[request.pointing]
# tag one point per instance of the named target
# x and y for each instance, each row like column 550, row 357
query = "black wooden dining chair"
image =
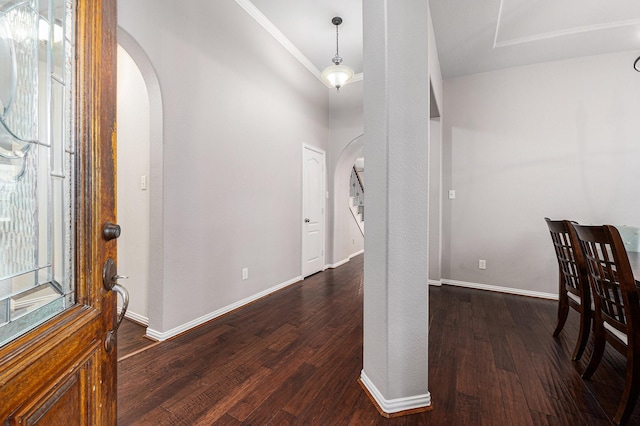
column 573, row 287
column 617, row 307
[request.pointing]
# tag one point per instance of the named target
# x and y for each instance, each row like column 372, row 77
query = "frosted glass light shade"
column 337, row 75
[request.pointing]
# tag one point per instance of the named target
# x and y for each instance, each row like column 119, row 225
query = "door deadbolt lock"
column 307, row 220
column 111, row 231
column 110, row 275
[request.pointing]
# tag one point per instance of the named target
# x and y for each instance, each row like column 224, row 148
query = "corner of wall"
column 435, row 72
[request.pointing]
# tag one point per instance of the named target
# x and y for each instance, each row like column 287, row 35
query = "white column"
column 396, row 123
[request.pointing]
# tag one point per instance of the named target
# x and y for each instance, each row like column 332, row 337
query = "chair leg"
column 598, row 350
column 563, row 313
column 583, row 336
column 631, row 390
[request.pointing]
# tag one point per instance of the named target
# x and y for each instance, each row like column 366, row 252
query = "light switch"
column 452, row 194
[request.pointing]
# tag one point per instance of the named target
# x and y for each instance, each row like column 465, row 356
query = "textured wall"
column 346, row 126
column 396, row 118
column 133, row 162
column 558, row 139
column 237, row 109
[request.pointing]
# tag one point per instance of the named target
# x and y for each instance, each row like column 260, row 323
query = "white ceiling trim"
column 566, row 32
column 284, row 41
column 275, row 33
column 495, row 36
column 558, row 33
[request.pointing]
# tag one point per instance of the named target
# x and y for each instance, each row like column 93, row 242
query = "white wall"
column 435, row 162
column 435, row 201
column 396, row 117
column 346, row 118
column 133, row 203
column 346, row 126
column 237, row 109
column 557, row 139
column 435, row 74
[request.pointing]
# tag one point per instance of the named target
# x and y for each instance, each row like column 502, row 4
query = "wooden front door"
column 61, row 372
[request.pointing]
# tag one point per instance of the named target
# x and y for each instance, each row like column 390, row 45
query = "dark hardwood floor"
column 294, row 358
column 131, row 339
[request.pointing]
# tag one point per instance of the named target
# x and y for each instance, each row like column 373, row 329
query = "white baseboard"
column 162, row 336
column 397, row 405
column 351, row 256
column 335, row 265
column 343, row 261
column 436, row 283
column 142, row 320
column 509, row 290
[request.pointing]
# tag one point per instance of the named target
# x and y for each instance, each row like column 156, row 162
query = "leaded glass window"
column 37, row 145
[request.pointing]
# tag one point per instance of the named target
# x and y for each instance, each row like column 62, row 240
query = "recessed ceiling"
column 522, row 21
column 486, row 35
column 472, row 35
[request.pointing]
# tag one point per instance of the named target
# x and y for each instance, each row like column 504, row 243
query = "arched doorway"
column 140, row 116
column 347, row 239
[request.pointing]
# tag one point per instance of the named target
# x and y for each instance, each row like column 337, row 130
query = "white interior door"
column 313, row 222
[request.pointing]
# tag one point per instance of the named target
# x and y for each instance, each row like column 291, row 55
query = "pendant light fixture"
column 337, row 75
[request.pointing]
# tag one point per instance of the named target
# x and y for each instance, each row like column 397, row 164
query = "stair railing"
column 357, row 190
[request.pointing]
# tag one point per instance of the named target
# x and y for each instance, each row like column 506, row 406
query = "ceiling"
column 307, row 25
column 472, row 35
column 484, row 35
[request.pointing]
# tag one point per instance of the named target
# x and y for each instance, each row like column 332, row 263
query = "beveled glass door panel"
column 36, row 163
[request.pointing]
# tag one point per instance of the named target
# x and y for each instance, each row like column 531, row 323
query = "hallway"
column 295, row 357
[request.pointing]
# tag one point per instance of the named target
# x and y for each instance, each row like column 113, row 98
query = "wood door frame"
column 323, row 222
column 47, row 348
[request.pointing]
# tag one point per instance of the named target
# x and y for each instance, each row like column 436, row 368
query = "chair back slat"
column 616, row 307
column 573, row 283
column 609, row 272
column 569, row 259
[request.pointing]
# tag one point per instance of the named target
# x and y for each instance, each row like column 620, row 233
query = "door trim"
column 323, row 222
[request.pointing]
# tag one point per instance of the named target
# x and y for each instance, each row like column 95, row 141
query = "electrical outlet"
column 245, row 273
column 482, row 264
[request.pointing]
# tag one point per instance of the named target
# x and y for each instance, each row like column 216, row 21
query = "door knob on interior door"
column 307, row 220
